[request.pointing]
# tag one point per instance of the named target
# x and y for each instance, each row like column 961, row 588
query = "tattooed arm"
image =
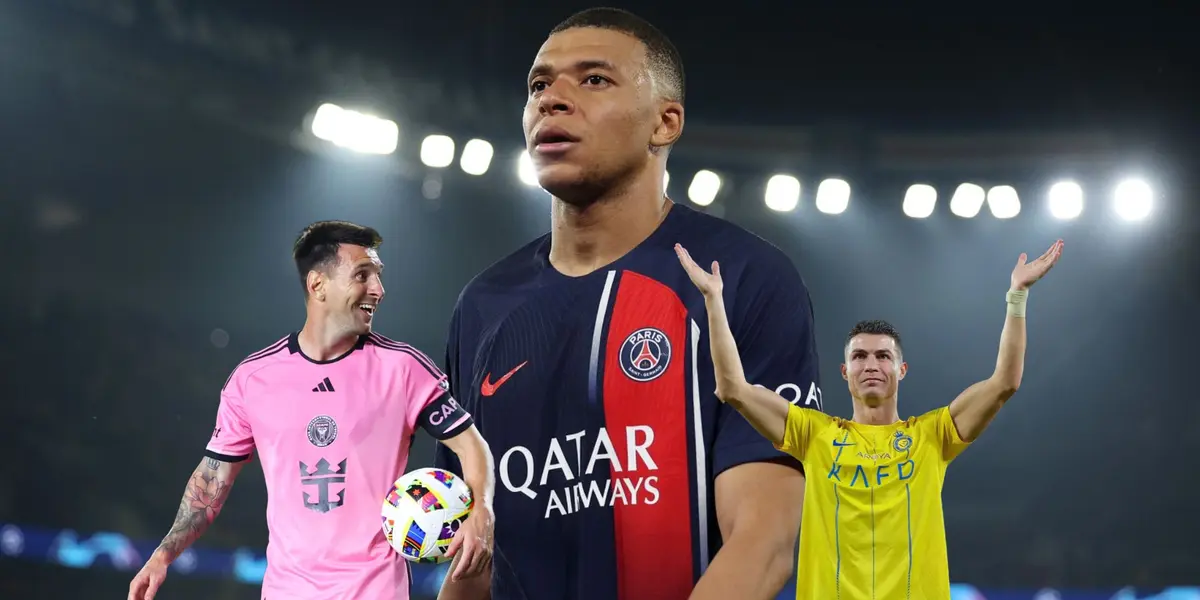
column 203, row 499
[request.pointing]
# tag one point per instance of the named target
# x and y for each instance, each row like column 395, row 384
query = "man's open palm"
column 1025, row 274
column 709, row 284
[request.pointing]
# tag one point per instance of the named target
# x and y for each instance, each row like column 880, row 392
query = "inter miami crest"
column 322, row 430
column 645, row 354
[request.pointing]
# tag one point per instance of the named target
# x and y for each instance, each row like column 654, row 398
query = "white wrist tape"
column 1016, row 302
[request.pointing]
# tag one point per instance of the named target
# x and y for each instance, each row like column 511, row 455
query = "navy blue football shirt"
column 596, row 395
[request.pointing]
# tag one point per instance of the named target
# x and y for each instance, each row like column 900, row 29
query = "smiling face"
column 340, row 271
column 348, row 292
column 873, row 367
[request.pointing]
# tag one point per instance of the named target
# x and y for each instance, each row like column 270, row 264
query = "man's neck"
column 319, row 341
column 583, row 240
column 881, row 413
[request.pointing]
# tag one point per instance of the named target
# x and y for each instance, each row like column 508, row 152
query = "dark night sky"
column 915, row 65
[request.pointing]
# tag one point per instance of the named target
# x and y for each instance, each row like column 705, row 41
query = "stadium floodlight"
column 476, row 157
column 1003, row 202
column 1066, row 200
column 356, row 131
column 833, row 196
column 783, row 193
column 525, row 170
column 704, row 187
column 666, row 179
column 967, row 200
column 1133, row 199
column 437, row 151
column 919, row 200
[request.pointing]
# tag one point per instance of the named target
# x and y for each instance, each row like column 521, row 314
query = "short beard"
column 580, row 195
column 351, row 326
column 593, row 187
column 873, row 399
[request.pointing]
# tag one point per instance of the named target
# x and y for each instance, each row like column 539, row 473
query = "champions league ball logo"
column 645, row 354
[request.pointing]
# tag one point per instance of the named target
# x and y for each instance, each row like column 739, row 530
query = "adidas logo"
column 324, row 386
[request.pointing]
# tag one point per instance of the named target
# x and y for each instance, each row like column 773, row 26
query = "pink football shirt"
column 332, row 437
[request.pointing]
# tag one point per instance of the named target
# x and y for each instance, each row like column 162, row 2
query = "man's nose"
column 555, row 100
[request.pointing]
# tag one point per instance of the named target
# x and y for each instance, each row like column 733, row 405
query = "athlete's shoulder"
column 388, row 350
column 814, row 426
column 819, row 419
column 931, row 416
column 519, row 268
column 271, row 355
column 727, row 239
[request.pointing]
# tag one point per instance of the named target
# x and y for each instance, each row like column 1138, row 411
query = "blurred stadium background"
column 158, row 157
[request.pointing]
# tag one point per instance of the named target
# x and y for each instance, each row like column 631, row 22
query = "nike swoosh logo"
column 488, row 388
column 840, row 444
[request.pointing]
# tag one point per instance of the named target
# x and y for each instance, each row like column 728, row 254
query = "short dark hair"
column 663, row 56
column 316, row 247
column 875, row 327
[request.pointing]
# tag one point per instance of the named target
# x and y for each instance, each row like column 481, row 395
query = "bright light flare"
column 1133, row 199
column 919, row 200
column 704, row 187
column 1003, row 202
column 967, row 200
column 783, row 193
column 476, row 157
column 437, row 151
column 355, row 131
column 1066, row 200
column 525, row 171
column 833, row 196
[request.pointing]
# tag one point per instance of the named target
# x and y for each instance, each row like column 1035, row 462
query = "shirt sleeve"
column 443, row 457
column 232, row 438
column 772, row 323
column 947, row 434
column 433, row 408
column 798, row 431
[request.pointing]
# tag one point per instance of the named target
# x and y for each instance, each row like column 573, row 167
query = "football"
column 423, row 511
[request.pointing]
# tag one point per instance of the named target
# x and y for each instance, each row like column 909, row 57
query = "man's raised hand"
column 709, row 284
column 1025, row 274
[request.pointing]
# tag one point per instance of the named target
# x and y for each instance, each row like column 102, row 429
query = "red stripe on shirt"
column 653, row 542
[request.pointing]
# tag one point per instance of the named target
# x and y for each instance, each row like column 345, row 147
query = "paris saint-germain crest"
column 322, row 430
column 645, row 354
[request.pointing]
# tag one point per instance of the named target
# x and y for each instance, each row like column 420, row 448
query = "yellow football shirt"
column 872, row 526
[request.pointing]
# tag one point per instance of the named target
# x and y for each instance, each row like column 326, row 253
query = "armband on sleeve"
column 444, row 418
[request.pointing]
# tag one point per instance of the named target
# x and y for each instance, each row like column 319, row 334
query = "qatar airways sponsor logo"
column 810, row 398
column 584, row 470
